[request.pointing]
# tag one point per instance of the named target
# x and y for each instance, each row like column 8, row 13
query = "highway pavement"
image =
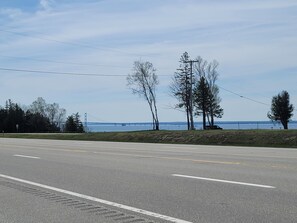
column 82, row 181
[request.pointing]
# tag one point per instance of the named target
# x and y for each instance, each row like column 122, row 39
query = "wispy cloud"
column 12, row 13
column 250, row 39
column 46, row 4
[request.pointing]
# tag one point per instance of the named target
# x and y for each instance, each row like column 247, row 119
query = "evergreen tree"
column 35, row 122
column 281, row 109
column 206, row 95
column 202, row 99
column 73, row 124
column 181, row 88
column 14, row 119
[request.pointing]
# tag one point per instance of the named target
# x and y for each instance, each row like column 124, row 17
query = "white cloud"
column 12, row 13
column 249, row 39
column 46, row 4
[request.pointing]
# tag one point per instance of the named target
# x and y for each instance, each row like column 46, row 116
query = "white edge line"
column 30, row 157
column 224, row 181
column 137, row 210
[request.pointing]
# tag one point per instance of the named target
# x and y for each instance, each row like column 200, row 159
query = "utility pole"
column 86, row 122
column 187, row 107
column 192, row 127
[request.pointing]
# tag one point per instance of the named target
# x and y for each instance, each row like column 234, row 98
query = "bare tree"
column 53, row 112
column 38, row 106
column 143, row 81
column 215, row 109
column 207, row 72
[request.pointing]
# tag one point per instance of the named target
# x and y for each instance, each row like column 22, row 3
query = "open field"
column 263, row 138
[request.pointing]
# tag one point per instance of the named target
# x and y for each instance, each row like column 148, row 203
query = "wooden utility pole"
column 192, row 127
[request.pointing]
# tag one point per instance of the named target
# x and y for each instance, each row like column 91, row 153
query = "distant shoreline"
column 181, row 122
column 142, row 126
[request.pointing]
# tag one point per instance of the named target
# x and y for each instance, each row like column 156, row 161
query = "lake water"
column 123, row 127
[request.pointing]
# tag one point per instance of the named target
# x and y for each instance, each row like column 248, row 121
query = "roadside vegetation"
column 193, row 85
column 281, row 109
column 37, row 117
column 262, row 138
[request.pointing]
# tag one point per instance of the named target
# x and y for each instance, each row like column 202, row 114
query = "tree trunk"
column 188, row 118
column 204, row 107
column 157, row 126
column 208, row 119
column 285, row 124
column 212, row 120
column 192, row 127
column 153, row 115
column 204, row 118
column 156, row 114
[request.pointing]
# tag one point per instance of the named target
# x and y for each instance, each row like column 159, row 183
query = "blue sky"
column 254, row 42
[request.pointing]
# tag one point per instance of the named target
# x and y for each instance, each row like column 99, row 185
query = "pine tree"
column 73, row 124
column 181, row 88
column 202, row 99
column 281, row 109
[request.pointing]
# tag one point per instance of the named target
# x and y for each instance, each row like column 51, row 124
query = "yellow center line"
column 35, row 147
column 171, row 158
column 127, row 154
column 201, row 161
column 46, row 149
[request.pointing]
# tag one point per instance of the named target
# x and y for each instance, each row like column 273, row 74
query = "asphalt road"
column 74, row 181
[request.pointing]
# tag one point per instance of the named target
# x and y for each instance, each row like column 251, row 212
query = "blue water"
column 123, row 127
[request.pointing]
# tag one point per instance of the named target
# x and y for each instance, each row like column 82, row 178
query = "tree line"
column 196, row 91
column 37, row 117
column 193, row 85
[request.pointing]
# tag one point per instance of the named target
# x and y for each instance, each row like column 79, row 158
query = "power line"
column 65, row 73
column 191, row 94
column 61, row 62
column 70, row 43
column 70, row 63
column 112, row 75
column 247, row 98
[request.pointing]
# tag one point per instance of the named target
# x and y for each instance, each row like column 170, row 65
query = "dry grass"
column 263, row 138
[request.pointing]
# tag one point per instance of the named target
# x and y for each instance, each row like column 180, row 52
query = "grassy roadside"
column 262, row 138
